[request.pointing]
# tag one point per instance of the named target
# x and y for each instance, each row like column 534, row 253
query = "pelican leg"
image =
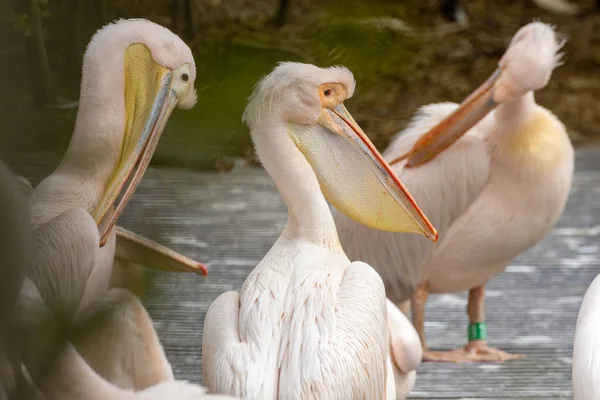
column 117, row 339
column 476, row 349
column 419, row 298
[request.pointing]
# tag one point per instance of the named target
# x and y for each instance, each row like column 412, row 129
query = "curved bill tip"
column 140, row 250
column 434, row 236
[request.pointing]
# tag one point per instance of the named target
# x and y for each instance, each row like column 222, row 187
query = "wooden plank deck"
column 230, row 220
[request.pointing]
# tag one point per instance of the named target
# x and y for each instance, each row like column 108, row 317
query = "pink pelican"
column 493, row 192
column 308, row 323
column 135, row 73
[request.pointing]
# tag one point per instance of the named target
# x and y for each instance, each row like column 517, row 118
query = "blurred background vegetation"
column 403, row 53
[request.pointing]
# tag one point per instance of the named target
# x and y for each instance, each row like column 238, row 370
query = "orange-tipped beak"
column 143, row 251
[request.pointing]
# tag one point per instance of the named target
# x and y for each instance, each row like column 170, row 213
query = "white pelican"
column 134, row 74
column 586, row 349
column 493, row 194
column 307, row 322
column 116, row 355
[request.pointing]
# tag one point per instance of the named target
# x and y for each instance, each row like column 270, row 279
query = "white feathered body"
column 303, row 332
column 493, row 194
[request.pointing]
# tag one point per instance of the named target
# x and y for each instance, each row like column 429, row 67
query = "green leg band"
column 477, row 331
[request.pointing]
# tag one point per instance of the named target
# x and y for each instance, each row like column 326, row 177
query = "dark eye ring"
column 185, row 77
column 327, row 92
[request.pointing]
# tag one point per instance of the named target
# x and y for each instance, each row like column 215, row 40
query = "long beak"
column 476, row 106
column 135, row 157
column 143, row 251
column 355, row 178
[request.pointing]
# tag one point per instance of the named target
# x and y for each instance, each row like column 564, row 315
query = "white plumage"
column 78, row 339
column 307, row 322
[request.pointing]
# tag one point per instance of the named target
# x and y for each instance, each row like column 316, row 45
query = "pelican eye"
column 185, row 77
column 327, row 92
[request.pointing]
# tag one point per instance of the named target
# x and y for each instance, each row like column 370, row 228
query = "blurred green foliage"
column 398, row 56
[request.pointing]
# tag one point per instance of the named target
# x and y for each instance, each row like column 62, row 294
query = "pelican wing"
column 225, row 359
column 444, row 188
column 65, row 252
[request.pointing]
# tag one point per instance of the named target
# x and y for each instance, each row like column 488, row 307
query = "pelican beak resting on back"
column 503, row 85
column 306, row 307
column 135, row 73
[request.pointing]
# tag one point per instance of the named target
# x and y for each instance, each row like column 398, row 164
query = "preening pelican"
column 586, row 349
column 116, row 352
column 135, row 73
column 493, row 192
column 307, row 322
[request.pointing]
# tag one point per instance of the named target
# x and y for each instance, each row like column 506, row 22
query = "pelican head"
column 526, row 66
column 528, row 63
column 307, row 103
column 136, row 72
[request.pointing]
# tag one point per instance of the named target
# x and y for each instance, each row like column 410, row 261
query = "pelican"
column 307, row 322
column 135, row 73
column 493, row 192
column 114, row 334
column 586, row 349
